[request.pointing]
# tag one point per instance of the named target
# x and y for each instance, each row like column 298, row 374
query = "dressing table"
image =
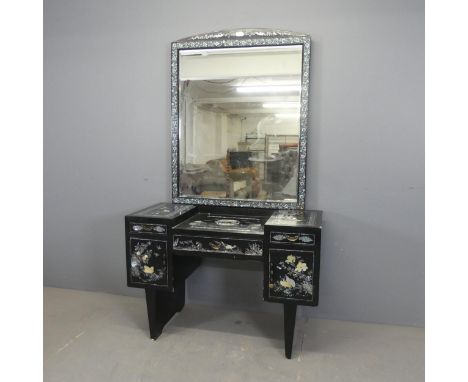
column 239, row 124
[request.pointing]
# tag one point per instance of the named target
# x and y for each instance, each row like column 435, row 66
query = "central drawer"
column 224, row 246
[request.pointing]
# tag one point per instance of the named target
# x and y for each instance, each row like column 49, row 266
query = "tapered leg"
column 162, row 305
column 179, row 295
column 289, row 324
column 154, row 315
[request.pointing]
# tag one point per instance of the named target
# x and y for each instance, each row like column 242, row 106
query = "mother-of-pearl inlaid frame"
column 241, row 38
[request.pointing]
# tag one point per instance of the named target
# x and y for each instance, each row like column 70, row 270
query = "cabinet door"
column 290, row 276
column 147, row 263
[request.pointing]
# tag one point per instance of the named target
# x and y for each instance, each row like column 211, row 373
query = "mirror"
column 239, row 114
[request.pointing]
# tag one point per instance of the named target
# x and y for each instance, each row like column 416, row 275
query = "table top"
column 296, row 218
column 164, row 210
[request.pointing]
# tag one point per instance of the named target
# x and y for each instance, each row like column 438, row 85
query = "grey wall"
column 107, row 147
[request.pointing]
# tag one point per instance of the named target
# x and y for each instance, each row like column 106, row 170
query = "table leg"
column 289, row 325
column 162, row 305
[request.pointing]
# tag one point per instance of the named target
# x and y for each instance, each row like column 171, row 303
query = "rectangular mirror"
column 239, row 121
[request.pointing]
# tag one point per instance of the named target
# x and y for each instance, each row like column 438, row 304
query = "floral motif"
column 301, row 267
column 291, row 259
column 254, row 249
column 291, row 277
column 143, row 261
column 288, row 282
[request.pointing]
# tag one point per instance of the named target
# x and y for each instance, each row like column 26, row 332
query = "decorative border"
column 243, row 33
column 241, row 38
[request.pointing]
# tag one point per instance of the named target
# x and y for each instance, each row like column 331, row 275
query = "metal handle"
column 292, row 237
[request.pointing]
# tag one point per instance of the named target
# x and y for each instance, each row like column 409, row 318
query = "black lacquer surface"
column 164, row 211
column 148, row 261
column 292, row 263
column 148, row 235
column 166, row 243
column 296, row 218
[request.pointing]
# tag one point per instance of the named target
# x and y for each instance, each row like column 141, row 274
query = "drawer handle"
column 215, row 245
column 292, row 238
column 137, row 228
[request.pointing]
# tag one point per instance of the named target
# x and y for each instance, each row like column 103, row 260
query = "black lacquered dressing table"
column 239, row 101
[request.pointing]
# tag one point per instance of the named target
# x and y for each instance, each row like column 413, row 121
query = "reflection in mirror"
column 239, row 111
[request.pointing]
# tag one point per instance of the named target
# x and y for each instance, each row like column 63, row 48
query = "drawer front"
column 228, row 246
column 148, row 262
column 290, row 275
column 295, row 238
column 148, row 228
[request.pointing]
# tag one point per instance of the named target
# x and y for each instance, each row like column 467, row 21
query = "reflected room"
column 239, row 111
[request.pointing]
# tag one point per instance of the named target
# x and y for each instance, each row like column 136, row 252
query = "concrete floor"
column 101, row 337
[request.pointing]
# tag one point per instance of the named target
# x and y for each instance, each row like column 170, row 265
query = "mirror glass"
column 239, row 122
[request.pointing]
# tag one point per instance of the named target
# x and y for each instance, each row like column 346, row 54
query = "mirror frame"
column 241, row 38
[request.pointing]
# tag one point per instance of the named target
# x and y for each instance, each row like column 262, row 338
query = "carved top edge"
column 243, row 33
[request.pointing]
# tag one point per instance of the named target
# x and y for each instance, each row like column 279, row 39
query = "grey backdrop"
column 107, row 144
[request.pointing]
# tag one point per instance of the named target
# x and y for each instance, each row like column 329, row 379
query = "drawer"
column 293, row 238
column 147, row 262
column 219, row 245
column 148, row 228
column 290, row 275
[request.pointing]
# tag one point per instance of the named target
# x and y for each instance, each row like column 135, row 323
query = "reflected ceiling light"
column 281, row 105
column 287, row 115
column 269, row 89
column 245, row 49
column 268, row 82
